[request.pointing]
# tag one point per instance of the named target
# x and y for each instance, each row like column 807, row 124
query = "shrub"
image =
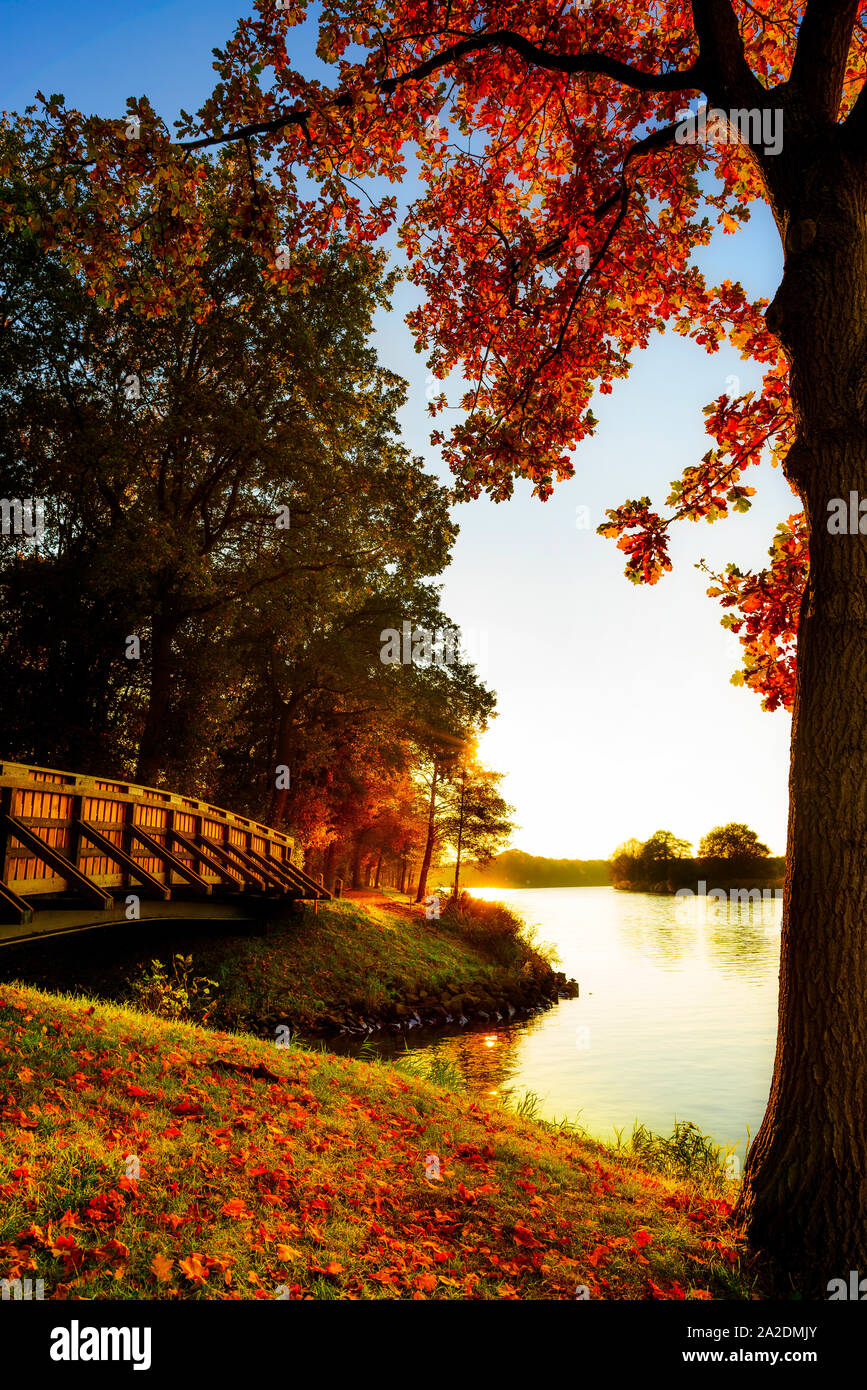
column 498, row 931
column 179, row 995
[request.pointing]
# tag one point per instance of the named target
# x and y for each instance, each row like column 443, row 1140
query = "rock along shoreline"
column 458, row 1005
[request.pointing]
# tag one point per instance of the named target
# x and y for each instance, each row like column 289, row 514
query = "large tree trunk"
column 357, row 857
column 431, row 836
column 152, row 750
column 328, row 865
column 804, row 1197
column 283, row 744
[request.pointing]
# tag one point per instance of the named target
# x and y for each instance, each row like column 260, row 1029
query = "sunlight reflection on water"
column 677, row 1014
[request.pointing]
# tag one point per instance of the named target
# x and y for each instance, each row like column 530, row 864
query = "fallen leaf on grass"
column 194, row 1269
column 161, row 1267
column 236, row 1208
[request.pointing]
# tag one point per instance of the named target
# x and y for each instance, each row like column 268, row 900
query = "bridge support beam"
column 234, row 879
column 170, row 860
column 55, row 860
column 113, row 851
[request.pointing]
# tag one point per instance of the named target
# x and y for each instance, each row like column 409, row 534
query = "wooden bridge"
column 81, row 852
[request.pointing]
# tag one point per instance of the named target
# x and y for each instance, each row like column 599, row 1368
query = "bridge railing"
column 65, row 836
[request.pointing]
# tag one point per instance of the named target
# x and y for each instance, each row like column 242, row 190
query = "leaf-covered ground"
column 267, row 1172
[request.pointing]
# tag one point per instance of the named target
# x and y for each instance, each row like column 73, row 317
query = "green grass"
column 355, row 959
column 265, row 1169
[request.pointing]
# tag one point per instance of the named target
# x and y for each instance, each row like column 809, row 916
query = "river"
column 676, row 1015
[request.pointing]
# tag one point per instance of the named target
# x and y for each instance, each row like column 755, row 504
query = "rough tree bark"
column 357, row 858
column 804, row 1196
column 328, row 865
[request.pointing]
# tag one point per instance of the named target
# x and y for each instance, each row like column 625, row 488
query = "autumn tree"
column 200, row 477
column 457, row 709
column 733, row 841
column 474, row 820
column 564, row 192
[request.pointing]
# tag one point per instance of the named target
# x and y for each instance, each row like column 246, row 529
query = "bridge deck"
column 79, row 852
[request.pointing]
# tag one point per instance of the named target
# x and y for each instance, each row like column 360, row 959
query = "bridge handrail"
column 14, row 774
column 65, row 833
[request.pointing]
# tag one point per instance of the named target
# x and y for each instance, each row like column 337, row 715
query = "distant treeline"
column 515, row 869
column 730, row 855
column 714, row 871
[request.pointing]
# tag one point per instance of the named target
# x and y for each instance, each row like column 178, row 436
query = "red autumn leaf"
column 525, row 1237
column 237, row 1209
column 161, row 1266
column 194, row 1269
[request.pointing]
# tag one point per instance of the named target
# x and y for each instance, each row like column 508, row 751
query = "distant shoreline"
column 514, row 869
column 675, row 875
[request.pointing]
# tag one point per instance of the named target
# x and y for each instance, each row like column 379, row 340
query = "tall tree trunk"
column 457, row 883
column 431, row 836
column 357, row 856
column 804, row 1196
column 283, row 745
column 152, row 748
column 378, row 870
column 328, row 865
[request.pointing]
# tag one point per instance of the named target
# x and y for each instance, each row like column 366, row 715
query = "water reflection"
column 676, row 1016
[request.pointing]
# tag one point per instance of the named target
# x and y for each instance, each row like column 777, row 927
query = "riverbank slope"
column 366, row 962
column 147, row 1159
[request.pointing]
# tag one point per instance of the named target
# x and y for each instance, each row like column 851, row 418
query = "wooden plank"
column 221, row 852
column 293, row 876
column 246, row 857
column 237, row 855
column 113, row 851
column 13, row 908
column 26, row 777
column 275, row 866
column 160, row 852
column 6, row 795
column 313, row 889
column 235, row 878
column 55, row 860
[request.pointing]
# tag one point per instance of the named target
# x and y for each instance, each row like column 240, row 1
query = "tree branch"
column 600, row 64
column 819, row 67
column 730, row 81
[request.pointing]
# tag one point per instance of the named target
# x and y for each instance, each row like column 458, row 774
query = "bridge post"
column 126, row 841
column 73, row 844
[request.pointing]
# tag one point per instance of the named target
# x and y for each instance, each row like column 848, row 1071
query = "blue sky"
column 616, row 712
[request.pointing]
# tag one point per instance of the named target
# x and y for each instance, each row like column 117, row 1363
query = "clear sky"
column 616, row 715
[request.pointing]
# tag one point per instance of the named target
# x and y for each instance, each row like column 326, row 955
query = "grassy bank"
column 147, row 1159
column 357, row 963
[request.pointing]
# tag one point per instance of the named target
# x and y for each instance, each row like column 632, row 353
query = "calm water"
column 677, row 1014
